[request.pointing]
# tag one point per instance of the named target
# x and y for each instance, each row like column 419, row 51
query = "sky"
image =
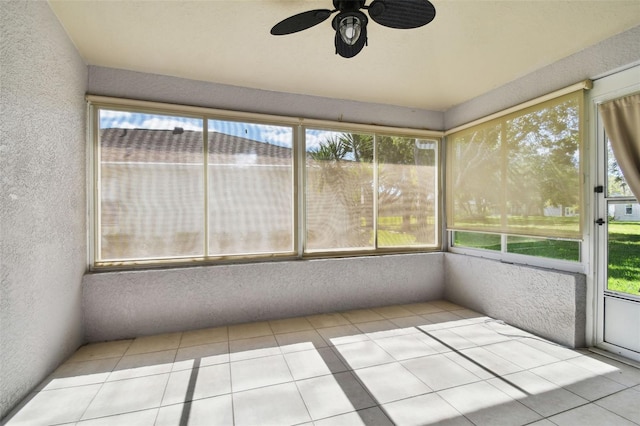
column 276, row 135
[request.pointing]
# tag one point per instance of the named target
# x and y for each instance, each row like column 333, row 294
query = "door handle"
column 600, row 222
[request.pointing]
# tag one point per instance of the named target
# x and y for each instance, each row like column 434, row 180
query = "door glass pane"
column 151, row 186
column 339, row 190
column 616, row 184
column 406, row 191
column 624, row 247
column 250, row 188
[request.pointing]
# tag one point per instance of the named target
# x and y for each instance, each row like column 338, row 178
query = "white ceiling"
column 470, row 48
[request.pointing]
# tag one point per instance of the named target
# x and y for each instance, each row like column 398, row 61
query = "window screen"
column 407, row 192
column 250, row 188
column 158, row 200
column 151, row 186
column 339, row 191
column 369, row 191
column 519, row 174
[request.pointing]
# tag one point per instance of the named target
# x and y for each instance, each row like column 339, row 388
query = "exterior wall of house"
column 621, row 212
column 550, row 304
column 43, row 207
column 137, row 303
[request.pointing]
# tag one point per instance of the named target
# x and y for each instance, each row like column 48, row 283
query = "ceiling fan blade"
column 301, row 21
column 402, row 14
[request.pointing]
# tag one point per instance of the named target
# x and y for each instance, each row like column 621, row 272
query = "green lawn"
column 477, row 240
column 624, row 257
column 554, row 249
column 530, row 246
column 392, row 239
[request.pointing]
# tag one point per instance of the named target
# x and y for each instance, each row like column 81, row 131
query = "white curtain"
column 621, row 119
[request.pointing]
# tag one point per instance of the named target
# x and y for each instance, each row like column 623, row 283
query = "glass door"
column 619, row 260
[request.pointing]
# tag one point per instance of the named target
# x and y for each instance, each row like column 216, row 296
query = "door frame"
column 606, row 88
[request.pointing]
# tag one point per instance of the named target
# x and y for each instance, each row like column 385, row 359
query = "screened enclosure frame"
column 297, row 195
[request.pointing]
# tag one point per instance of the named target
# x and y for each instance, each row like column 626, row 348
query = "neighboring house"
column 165, row 182
column 626, row 212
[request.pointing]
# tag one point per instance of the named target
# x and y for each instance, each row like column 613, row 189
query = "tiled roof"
column 163, row 146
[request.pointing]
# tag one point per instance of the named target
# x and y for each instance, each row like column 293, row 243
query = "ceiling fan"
column 350, row 23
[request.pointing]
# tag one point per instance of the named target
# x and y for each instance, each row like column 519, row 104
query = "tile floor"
column 418, row 364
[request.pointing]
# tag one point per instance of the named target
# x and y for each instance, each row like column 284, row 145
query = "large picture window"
column 173, row 187
column 192, row 187
column 520, row 176
column 151, row 186
column 370, row 191
column 250, row 188
column 339, row 191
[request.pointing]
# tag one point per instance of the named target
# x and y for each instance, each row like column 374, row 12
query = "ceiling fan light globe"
column 350, row 29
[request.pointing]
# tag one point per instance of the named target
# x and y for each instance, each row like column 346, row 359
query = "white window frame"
column 95, row 103
column 581, row 266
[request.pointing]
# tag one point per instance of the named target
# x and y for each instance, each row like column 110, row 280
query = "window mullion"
column 205, row 148
column 375, row 190
column 300, row 224
column 504, row 152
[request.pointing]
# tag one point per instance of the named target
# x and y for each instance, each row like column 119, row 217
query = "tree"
column 339, row 175
column 344, row 165
column 475, row 169
column 616, row 183
column 544, row 151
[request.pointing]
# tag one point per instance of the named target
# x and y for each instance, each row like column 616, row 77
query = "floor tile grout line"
column 103, row 382
column 433, row 392
column 478, row 364
column 90, row 402
column 180, row 341
column 603, row 376
column 542, row 415
column 233, row 408
column 585, row 404
column 349, row 370
column 202, row 344
column 295, row 383
column 79, row 422
column 521, row 368
column 349, row 412
column 148, row 353
column 595, row 401
column 572, row 392
column 512, row 340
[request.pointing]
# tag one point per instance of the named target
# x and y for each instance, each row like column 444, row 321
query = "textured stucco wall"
column 592, row 62
column 127, row 304
column 160, row 88
column 42, row 196
column 547, row 303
